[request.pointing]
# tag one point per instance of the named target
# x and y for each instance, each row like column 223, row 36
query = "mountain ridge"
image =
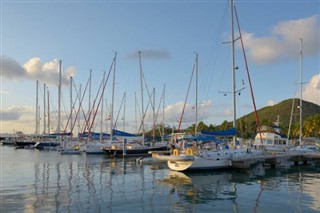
column 283, row 110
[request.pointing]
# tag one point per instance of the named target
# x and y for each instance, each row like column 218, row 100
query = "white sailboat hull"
column 70, row 150
column 201, row 163
column 95, row 148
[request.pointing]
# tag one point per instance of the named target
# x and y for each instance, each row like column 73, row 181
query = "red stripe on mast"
column 248, row 74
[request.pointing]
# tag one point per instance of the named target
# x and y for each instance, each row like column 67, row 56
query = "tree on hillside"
column 225, row 125
column 311, row 126
column 266, row 122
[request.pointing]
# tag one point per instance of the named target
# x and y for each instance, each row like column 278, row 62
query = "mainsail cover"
column 226, row 133
column 116, row 133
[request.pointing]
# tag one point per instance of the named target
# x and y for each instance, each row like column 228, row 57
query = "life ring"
column 176, row 152
column 189, row 151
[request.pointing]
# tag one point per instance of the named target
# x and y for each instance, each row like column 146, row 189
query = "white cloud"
column 283, row 43
column 33, row 66
column 11, row 69
column 14, row 113
column 34, row 69
column 271, row 103
column 44, row 72
column 17, row 118
column 173, row 112
column 311, row 90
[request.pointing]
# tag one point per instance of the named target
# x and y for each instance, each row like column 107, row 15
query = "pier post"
column 124, row 153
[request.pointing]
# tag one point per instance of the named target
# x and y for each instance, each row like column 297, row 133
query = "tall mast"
column 163, row 108
column 154, row 115
column 233, row 70
column 142, row 107
column 37, row 108
column 44, row 109
column 59, row 98
column 80, row 95
column 196, row 107
column 48, row 111
column 135, row 111
column 124, row 112
column 71, row 103
column 89, row 110
column 300, row 135
column 112, row 101
column 101, row 117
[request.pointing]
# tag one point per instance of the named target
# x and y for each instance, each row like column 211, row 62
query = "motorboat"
column 8, row 141
column 271, row 139
column 47, row 145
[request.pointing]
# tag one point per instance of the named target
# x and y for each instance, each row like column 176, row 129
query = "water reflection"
column 199, row 188
column 76, row 186
column 43, row 181
column 246, row 191
column 91, row 184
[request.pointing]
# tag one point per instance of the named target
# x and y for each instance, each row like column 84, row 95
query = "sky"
column 86, row 35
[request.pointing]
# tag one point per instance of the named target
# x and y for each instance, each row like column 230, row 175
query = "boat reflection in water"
column 257, row 190
column 198, row 188
column 93, row 185
column 45, row 181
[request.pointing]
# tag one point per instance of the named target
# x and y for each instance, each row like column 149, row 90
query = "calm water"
column 45, row 181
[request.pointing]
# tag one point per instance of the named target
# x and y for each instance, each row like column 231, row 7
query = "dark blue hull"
column 133, row 152
column 46, row 144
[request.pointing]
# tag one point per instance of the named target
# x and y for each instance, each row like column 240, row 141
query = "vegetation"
column 247, row 125
column 268, row 115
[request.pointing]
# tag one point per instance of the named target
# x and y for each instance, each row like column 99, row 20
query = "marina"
column 125, row 121
column 276, row 160
column 45, row 181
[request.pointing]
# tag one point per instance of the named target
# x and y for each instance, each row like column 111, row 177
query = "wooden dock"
column 275, row 160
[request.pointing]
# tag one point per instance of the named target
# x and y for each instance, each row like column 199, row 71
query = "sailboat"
column 95, row 146
column 301, row 147
column 207, row 153
column 130, row 144
column 68, row 146
column 271, row 139
column 201, row 155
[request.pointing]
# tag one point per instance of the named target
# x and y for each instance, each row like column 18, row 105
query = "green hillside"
column 269, row 114
column 247, row 126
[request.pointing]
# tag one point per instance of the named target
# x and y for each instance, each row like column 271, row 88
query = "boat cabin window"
column 269, row 142
column 280, row 142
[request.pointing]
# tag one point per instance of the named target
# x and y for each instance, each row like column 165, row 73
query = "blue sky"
column 85, row 35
